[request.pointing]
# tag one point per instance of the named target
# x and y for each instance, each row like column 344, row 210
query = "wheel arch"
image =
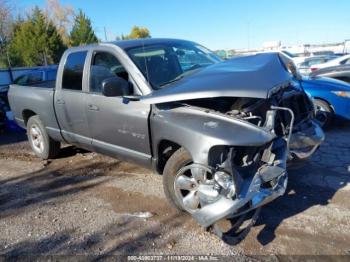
column 26, row 114
column 326, row 101
column 165, row 149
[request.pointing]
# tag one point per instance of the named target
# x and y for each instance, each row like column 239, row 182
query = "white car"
column 297, row 58
column 343, row 60
column 305, row 68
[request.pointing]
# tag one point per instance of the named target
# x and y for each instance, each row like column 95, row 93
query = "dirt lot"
column 86, row 203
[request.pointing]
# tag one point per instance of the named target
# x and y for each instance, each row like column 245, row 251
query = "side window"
column 316, row 62
column 73, row 71
column 21, row 80
column 51, row 75
column 345, row 61
column 105, row 65
column 35, row 77
column 304, row 64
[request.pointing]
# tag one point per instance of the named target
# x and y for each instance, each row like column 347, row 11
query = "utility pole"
column 105, row 33
column 248, row 33
column 9, row 66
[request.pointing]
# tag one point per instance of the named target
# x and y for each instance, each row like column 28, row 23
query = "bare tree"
column 5, row 20
column 61, row 16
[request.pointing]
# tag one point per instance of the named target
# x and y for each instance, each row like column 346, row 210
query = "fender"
column 199, row 130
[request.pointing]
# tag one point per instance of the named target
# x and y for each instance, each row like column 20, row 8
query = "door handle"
column 93, row 108
column 60, row 102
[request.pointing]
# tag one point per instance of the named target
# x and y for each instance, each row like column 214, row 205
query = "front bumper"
column 304, row 143
column 253, row 193
column 269, row 181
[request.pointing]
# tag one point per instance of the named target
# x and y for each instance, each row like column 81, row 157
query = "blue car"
column 331, row 98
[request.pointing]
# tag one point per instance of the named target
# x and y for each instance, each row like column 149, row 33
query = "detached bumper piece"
column 304, row 143
column 268, row 183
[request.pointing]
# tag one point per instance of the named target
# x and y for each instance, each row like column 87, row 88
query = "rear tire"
column 324, row 113
column 42, row 145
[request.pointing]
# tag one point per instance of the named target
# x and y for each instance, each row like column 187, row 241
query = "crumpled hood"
column 247, row 76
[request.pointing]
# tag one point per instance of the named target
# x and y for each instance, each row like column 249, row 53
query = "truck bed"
column 40, row 101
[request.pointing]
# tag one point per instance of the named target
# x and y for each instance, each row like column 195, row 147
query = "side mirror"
column 115, row 86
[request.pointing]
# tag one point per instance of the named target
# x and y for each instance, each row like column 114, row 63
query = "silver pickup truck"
column 220, row 132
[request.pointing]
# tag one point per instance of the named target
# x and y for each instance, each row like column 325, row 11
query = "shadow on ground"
column 111, row 240
column 45, row 185
column 48, row 185
column 11, row 138
column 298, row 198
column 57, row 180
column 314, row 184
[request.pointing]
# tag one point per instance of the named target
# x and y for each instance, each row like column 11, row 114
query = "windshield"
column 165, row 63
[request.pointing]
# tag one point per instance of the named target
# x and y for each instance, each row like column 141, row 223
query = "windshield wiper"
column 187, row 72
column 172, row 80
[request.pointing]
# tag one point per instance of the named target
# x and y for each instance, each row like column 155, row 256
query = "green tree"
column 136, row 32
column 82, row 32
column 35, row 41
column 139, row 32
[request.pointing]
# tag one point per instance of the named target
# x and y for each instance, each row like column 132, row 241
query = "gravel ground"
column 87, row 204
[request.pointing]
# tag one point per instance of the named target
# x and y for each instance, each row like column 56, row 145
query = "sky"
column 219, row 24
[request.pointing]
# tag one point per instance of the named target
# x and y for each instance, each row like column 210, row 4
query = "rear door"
column 118, row 128
column 70, row 100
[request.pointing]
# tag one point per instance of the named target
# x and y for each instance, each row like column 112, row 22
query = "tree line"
column 41, row 36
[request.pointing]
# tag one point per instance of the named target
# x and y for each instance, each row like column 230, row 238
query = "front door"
column 117, row 128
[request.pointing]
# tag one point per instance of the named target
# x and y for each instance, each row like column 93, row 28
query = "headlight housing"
column 342, row 93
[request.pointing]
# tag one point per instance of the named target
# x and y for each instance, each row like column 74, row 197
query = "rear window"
column 73, row 71
column 31, row 78
column 51, row 75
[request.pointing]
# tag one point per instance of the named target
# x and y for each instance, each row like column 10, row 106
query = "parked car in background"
column 342, row 60
column 331, row 98
column 26, row 76
column 3, row 110
column 37, row 77
column 305, row 67
column 219, row 132
column 321, row 53
column 299, row 58
column 340, row 72
column 8, row 76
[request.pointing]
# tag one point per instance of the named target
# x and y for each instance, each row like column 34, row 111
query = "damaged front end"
column 240, row 177
column 241, row 121
column 237, row 179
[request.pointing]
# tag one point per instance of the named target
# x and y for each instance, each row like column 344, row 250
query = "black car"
column 340, row 72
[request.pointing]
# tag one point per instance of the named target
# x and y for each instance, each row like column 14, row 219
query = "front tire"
column 177, row 161
column 42, row 145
